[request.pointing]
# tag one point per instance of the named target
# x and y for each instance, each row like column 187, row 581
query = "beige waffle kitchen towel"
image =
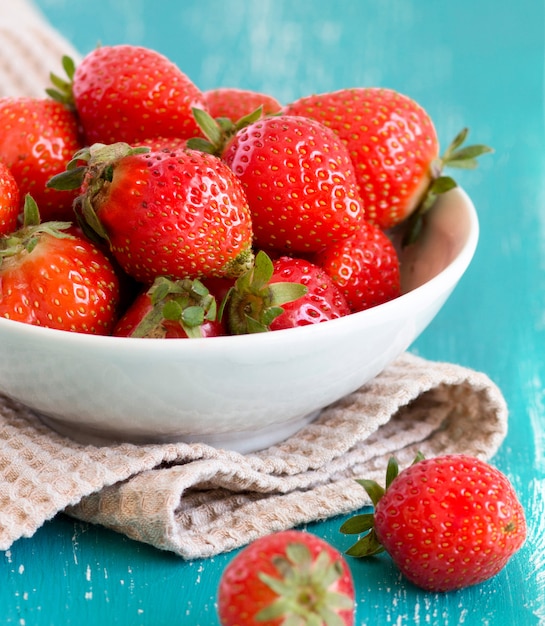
column 30, row 48
column 198, row 501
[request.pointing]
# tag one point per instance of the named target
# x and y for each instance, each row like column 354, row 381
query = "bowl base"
column 244, row 442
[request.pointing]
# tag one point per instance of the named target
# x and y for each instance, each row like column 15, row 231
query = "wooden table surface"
column 470, row 63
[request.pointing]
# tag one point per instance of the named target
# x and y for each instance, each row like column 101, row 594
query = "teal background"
column 470, row 63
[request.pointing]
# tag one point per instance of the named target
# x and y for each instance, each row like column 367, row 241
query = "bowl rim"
column 449, row 276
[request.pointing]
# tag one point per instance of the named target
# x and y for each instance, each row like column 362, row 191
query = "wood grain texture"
column 468, row 63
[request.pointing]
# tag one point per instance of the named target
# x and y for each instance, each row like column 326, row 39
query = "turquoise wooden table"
column 479, row 64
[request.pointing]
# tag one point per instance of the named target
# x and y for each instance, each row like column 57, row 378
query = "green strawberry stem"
column 303, row 588
column 187, row 302
column 456, row 155
column 26, row 238
column 91, row 165
column 253, row 302
column 62, row 87
column 218, row 131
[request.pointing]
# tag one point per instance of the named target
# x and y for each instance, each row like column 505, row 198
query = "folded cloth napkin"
column 30, row 49
column 198, row 501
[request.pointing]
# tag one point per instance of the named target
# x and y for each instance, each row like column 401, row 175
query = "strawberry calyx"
column 218, row 131
column 27, row 237
column 456, row 155
column 90, row 169
column 187, row 302
column 304, row 588
column 62, row 87
column 253, row 302
column 364, row 523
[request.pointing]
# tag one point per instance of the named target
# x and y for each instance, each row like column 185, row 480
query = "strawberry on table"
column 365, row 267
column 39, row 136
column 129, row 93
column 9, row 201
column 177, row 214
column 299, row 181
column 233, row 103
column 394, row 146
column 447, row 522
column 288, row 577
column 55, row 279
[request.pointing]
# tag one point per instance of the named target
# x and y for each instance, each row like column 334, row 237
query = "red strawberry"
column 38, row 137
column 288, row 577
column 299, row 182
column 164, row 143
column 322, row 302
column 9, row 201
column 365, row 267
column 130, row 93
column 54, row 279
column 173, row 310
column 393, row 144
column 176, row 214
column 233, row 103
column 447, row 522
column 286, row 293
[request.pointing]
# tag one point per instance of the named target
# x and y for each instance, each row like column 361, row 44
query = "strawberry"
column 129, row 93
column 394, row 146
column 164, row 143
column 288, row 577
column 364, row 266
column 38, row 137
column 323, row 300
column 284, row 293
column 173, row 310
column 52, row 278
column 447, row 522
column 9, row 201
column 175, row 214
column 233, row 103
column 299, row 181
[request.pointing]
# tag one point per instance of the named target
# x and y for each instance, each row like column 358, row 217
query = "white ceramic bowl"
column 242, row 393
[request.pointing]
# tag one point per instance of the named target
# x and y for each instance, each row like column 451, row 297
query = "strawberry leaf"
column 358, row 524
column 373, row 489
column 254, row 302
column 369, row 545
column 392, row 470
column 304, row 589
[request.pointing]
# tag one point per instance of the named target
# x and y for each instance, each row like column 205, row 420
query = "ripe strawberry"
column 172, row 310
column 322, row 302
column 129, row 93
column 55, row 279
column 176, row 214
column 233, row 103
column 9, row 201
column 164, row 143
column 447, row 522
column 287, row 577
column 299, row 182
column 393, row 144
column 365, row 267
column 286, row 293
column 38, row 137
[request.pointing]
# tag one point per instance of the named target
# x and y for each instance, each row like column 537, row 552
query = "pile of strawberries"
column 132, row 203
